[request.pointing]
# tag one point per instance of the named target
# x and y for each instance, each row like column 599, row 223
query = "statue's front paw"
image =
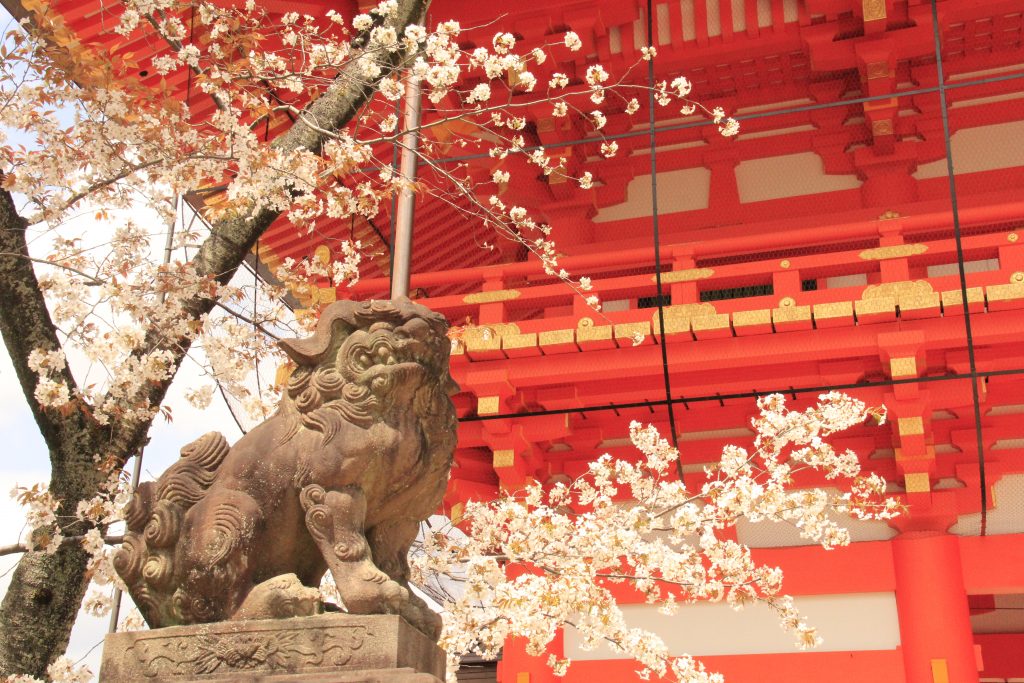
column 281, row 597
column 422, row 618
column 389, row 595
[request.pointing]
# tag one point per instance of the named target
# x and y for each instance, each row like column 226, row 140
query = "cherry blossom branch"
column 91, row 281
column 16, row 548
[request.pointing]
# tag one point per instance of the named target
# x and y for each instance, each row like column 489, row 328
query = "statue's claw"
column 335, row 521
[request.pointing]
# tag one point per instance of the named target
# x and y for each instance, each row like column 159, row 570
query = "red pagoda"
column 862, row 232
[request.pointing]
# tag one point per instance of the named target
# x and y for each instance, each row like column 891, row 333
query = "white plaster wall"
column 852, row 622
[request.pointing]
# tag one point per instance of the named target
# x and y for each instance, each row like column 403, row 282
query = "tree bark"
column 46, row 591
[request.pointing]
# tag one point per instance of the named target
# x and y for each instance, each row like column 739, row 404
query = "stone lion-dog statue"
column 338, row 479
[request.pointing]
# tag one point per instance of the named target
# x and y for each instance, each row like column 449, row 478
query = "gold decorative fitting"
column 326, row 295
column 873, row 9
column 910, row 426
column 684, row 275
column 882, row 127
column 834, row 309
column 629, row 330
column 784, row 263
column 455, row 514
column 585, row 322
column 905, row 289
column 786, row 302
column 488, row 405
column 889, row 215
column 677, row 317
column 917, row 482
column 1017, row 277
column 877, row 70
column 1008, row 292
column 914, row 302
column 903, row 367
column 940, row 667
column 322, row 254
column 483, row 343
column 491, row 297
column 594, row 333
column 486, row 334
column 954, row 297
column 552, row 337
column 519, row 341
column 875, row 306
column 894, row 251
column 710, row 322
column 504, row 458
column 791, row 314
column 761, row 316
column 1013, row 237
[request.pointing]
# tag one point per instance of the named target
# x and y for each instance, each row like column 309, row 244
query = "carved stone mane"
column 338, row 480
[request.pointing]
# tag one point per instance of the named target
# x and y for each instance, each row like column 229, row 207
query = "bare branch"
column 16, row 548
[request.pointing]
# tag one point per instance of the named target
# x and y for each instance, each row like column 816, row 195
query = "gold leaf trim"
column 710, row 322
column 595, row 333
column 504, row 458
column 894, row 251
column 791, row 314
column 905, row 366
column 1005, row 292
column 684, row 275
column 873, row 9
column 761, row 316
column 877, row 305
column 680, row 313
column 910, row 426
column 519, row 341
column 834, row 309
column 910, row 289
column 552, row 337
column 954, row 297
column 491, row 297
column 488, row 405
column 917, row 482
column 627, row 330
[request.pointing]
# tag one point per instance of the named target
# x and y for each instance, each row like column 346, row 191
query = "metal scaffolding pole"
column 402, row 239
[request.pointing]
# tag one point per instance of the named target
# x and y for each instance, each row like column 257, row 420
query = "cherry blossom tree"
column 97, row 322
column 545, row 558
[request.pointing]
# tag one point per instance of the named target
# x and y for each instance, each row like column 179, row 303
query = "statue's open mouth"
column 382, row 358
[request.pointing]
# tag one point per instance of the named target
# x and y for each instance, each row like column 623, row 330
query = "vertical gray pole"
column 402, row 240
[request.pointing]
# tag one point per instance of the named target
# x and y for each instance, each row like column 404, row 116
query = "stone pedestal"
column 327, row 648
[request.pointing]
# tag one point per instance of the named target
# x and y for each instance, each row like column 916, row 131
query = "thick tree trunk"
column 46, row 591
column 39, row 609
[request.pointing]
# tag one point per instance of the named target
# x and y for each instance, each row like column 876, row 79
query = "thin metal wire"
column 721, row 398
column 659, row 297
column 960, row 269
column 742, row 117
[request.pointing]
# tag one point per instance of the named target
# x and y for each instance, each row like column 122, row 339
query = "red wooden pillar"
column 516, row 666
column 935, row 626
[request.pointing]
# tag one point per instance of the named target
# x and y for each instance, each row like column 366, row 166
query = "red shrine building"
column 863, row 231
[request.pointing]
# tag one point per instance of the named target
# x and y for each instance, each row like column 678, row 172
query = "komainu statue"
column 338, row 480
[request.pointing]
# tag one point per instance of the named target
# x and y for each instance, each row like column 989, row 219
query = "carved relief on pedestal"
column 270, row 650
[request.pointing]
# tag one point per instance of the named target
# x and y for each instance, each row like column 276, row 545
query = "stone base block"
column 328, row 648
